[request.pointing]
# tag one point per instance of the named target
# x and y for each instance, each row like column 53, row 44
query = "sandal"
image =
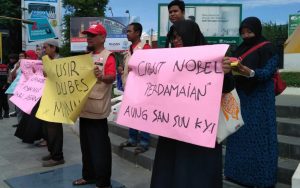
column 82, row 181
column 42, row 143
column 127, row 144
column 140, row 149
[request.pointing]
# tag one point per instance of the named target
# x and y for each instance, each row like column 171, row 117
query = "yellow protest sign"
column 68, row 84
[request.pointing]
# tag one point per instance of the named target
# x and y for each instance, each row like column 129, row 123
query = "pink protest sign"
column 30, row 87
column 26, row 96
column 27, row 70
column 175, row 93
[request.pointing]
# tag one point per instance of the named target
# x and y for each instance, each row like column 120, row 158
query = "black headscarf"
column 255, row 26
column 189, row 32
column 256, row 59
column 191, row 35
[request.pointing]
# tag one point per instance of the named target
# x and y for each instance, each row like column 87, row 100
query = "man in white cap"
column 94, row 139
column 53, row 132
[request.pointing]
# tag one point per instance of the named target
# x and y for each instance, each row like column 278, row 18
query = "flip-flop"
column 140, row 149
column 127, row 144
column 41, row 144
column 82, row 181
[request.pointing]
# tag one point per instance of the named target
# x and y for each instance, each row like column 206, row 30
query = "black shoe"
column 140, row 149
column 6, row 116
column 1, row 117
column 127, row 144
column 52, row 162
column 46, row 158
column 15, row 125
column 13, row 114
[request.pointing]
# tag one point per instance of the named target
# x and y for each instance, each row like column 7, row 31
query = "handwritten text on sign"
column 69, row 81
column 29, row 88
column 28, row 95
column 175, row 93
column 28, row 68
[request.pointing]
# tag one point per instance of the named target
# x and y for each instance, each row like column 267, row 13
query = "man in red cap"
column 94, row 139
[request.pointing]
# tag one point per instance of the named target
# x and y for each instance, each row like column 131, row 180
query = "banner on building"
column 294, row 22
column 46, row 15
column 292, row 45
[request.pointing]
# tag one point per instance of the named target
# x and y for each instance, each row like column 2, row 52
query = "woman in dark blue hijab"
column 251, row 152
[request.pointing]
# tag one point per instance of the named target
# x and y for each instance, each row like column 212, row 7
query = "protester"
column 5, row 83
column 134, row 32
column 94, row 139
column 3, row 86
column 29, row 129
column 53, row 132
column 251, row 152
column 39, row 51
column 179, row 164
column 12, row 76
column 176, row 10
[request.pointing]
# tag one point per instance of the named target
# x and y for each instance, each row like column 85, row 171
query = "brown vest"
column 98, row 105
column 127, row 56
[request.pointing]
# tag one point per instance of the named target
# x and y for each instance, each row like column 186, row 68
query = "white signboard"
column 219, row 23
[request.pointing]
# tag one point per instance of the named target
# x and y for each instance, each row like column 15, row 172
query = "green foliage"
column 10, row 9
column 79, row 8
column 292, row 78
column 13, row 43
column 275, row 33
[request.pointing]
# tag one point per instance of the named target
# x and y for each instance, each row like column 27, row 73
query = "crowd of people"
column 251, row 152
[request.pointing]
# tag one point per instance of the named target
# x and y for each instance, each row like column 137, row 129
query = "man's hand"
column 120, row 70
column 98, row 73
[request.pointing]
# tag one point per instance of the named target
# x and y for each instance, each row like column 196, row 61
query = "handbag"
column 230, row 118
column 279, row 83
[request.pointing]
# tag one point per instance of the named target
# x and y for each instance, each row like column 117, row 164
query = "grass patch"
column 292, row 78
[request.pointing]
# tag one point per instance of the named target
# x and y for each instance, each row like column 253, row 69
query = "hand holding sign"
column 175, row 93
column 68, row 84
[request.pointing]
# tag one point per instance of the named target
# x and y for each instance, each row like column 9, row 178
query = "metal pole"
column 22, row 20
column 109, row 8
column 127, row 12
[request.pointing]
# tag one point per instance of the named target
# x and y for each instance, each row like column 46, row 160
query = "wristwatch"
column 252, row 73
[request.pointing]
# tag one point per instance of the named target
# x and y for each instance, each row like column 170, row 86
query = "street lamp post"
column 22, row 20
column 109, row 8
column 127, row 12
column 151, row 36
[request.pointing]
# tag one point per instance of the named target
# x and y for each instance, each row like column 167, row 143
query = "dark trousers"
column 53, row 133
column 96, row 151
column 3, row 103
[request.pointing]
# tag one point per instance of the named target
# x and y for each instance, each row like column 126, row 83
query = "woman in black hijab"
column 182, row 165
column 251, row 152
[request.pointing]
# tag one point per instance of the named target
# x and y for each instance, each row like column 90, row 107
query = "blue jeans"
column 144, row 138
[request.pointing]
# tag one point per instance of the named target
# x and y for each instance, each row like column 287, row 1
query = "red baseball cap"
column 96, row 29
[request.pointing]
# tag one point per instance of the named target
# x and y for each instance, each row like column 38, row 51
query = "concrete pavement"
column 18, row 159
column 289, row 97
